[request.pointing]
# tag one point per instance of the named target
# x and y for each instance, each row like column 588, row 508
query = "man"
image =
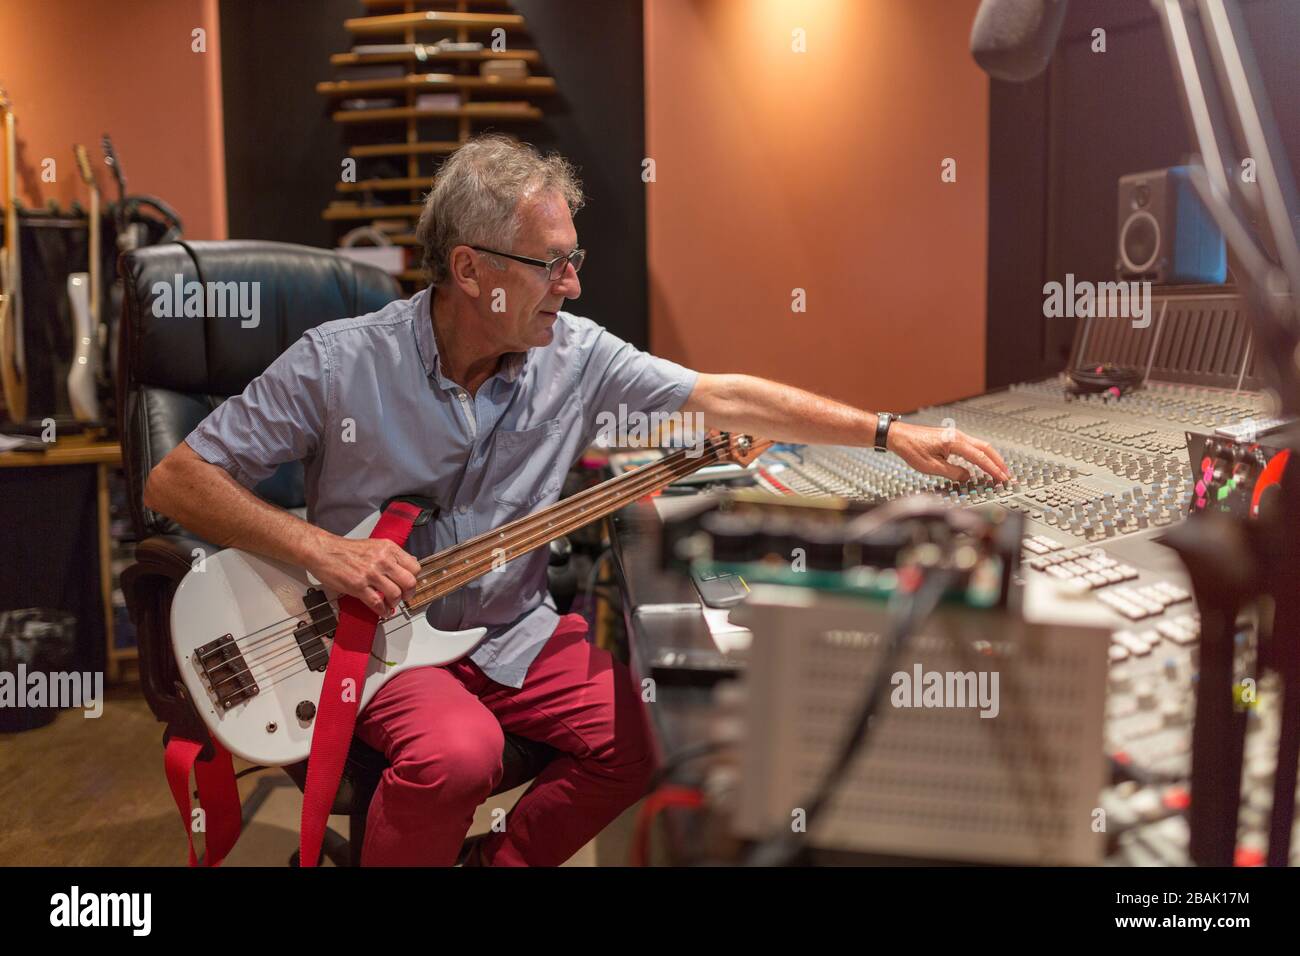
column 479, row 393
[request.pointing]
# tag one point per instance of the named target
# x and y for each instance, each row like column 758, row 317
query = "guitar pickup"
column 227, row 672
column 310, row 635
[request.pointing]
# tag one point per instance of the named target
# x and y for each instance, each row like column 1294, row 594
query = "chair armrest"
column 148, row 586
column 169, row 556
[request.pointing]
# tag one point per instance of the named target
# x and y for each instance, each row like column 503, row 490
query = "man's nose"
column 568, row 285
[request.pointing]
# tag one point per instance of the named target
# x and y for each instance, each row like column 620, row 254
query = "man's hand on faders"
column 927, row 449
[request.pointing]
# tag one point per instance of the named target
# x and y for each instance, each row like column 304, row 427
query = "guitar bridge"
column 310, row 635
column 228, row 675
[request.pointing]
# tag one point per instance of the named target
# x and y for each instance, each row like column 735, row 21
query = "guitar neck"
column 94, row 229
column 94, row 254
column 11, row 204
column 455, row 567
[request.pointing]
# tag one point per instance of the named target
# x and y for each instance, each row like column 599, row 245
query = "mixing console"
column 1087, row 469
column 1098, row 479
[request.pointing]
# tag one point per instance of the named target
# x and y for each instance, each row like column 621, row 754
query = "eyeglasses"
column 555, row 268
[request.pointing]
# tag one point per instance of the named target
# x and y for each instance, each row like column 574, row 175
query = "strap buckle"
column 428, row 508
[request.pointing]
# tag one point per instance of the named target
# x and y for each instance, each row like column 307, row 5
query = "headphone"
column 162, row 217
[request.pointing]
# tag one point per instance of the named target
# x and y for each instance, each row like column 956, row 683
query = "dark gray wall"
column 1058, row 146
column 283, row 152
column 595, row 51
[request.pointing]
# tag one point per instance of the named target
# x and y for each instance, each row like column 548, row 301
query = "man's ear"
column 465, row 271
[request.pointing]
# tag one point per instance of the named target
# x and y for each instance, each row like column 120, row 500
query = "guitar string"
column 291, row 658
column 490, row 540
column 456, row 550
column 678, row 470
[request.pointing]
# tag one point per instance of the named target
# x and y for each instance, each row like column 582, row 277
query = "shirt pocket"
column 526, row 464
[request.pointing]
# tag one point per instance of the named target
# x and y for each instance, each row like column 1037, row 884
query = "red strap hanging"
column 218, row 795
column 336, row 713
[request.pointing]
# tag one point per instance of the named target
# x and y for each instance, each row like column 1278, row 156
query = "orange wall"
column 76, row 69
column 819, row 170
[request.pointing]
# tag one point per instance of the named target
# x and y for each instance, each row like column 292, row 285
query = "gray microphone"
column 1014, row 39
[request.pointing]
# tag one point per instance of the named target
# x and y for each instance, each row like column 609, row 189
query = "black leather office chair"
column 172, row 372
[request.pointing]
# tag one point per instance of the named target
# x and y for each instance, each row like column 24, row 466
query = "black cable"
column 1104, row 378
column 593, row 578
column 680, row 757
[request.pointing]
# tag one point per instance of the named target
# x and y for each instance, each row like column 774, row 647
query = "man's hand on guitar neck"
column 209, row 503
column 377, row 572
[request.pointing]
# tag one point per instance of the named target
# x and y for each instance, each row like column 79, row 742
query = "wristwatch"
column 883, row 421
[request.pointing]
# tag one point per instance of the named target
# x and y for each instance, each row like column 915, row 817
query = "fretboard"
column 444, row 572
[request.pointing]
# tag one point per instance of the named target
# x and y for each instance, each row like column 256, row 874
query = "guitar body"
column 12, row 381
column 259, row 603
column 252, row 636
column 83, row 372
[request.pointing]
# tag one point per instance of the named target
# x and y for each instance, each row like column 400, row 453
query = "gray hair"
column 476, row 197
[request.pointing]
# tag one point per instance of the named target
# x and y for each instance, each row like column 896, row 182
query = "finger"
column 948, row 469
column 403, row 579
column 374, row 601
column 391, row 592
column 993, row 453
column 405, row 559
column 973, row 454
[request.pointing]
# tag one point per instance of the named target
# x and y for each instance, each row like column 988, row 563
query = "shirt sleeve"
column 279, row 417
column 618, row 373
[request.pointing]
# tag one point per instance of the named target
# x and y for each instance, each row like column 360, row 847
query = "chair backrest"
column 175, row 368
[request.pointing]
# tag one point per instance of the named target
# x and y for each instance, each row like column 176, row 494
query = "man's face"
column 530, row 299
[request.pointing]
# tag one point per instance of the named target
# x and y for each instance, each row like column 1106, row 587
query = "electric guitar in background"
column 13, row 379
column 84, row 296
column 252, row 636
column 115, row 167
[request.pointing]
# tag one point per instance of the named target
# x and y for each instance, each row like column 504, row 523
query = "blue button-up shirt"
column 364, row 404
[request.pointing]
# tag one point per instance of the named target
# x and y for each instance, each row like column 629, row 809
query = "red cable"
column 656, row 803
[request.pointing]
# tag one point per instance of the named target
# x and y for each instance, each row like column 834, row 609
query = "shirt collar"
column 512, row 364
column 424, row 343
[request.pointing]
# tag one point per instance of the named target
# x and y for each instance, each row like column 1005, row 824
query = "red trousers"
column 441, row 730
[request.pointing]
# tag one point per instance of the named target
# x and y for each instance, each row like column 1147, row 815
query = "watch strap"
column 883, row 421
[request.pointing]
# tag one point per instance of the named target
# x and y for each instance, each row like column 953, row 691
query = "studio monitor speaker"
column 1166, row 234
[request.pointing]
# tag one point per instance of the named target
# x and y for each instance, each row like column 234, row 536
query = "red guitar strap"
column 336, row 716
column 218, row 795
column 340, row 697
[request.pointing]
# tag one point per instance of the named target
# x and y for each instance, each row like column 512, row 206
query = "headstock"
column 6, row 105
column 114, row 164
column 740, row 449
column 83, row 165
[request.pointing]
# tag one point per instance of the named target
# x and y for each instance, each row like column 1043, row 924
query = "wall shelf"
column 432, row 20
column 402, row 143
column 498, row 111
column 432, row 148
column 386, row 4
column 438, row 82
column 469, row 56
column 380, row 185
column 346, row 212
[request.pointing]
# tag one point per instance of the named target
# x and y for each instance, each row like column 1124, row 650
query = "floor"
column 82, row 792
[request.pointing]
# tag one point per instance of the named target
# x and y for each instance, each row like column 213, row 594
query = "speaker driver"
column 1139, row 242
